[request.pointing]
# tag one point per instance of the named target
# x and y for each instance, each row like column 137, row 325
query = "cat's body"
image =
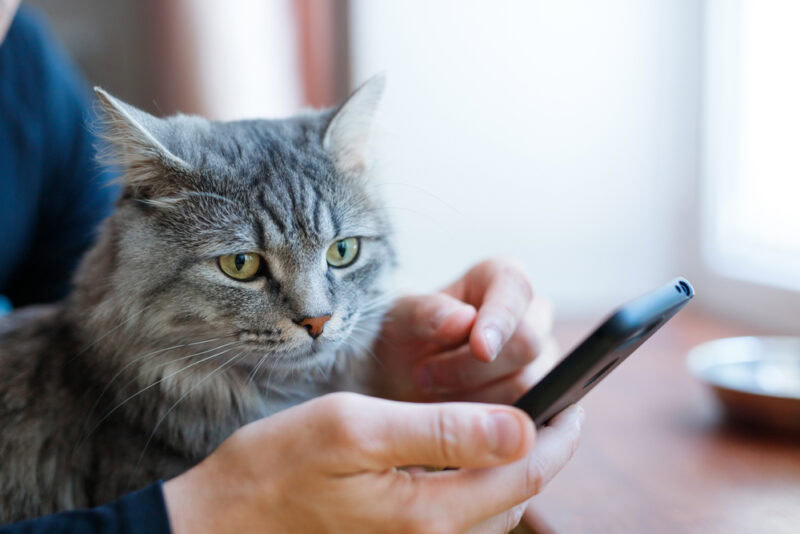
column 49, row 462
column 160, row 353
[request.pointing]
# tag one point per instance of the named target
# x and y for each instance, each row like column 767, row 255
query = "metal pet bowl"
column 757, row 379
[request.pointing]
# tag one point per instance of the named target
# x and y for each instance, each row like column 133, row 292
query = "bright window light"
column 753, row 141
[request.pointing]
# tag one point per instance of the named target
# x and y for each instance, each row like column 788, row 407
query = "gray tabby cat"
column 243, row 271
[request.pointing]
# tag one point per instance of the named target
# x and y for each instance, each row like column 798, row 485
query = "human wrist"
column 198, row 502
column 183, row 501
column 226, row 492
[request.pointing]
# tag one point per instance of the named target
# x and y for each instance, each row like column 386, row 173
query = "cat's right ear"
column 347, row 133
column 150, row 169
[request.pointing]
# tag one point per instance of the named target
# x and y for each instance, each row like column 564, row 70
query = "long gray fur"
column 157, row 356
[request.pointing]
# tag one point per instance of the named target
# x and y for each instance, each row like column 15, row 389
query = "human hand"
column 439, row 346
column 328, row 465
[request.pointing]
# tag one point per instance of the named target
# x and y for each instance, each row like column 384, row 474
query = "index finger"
column 502, row 293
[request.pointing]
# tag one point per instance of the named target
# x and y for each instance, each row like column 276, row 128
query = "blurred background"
column 608, row 145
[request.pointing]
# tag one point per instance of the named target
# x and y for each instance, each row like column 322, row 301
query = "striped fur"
column 157, row 356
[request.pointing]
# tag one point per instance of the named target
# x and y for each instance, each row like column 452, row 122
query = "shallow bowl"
column 757, row 379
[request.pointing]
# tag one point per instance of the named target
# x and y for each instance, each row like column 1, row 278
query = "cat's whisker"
column 375, row 319
column 123, row 323
column 378, row 302
column 253, row 373
column 132, row 380
column 160, row 380
column 269, row 381
column 319, row 370
column 133, row 362
column 367, row 350
column 162, row 364
column 175, row 404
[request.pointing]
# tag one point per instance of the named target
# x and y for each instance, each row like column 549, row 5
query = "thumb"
column 437, row 318
column 378, row 434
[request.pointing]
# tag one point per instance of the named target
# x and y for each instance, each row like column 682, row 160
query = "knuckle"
column 505, row 318
column 340, row 403
column 534, row 476
column 401, row 305
column 515, row 270
column 426, row 316
column 525, row 286
column 447, row 437
column 420, row 316
column 341, row 414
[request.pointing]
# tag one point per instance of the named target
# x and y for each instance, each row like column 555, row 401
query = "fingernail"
column 493, row 340
column 505, row 433
column 423, row 379
column 580, row 415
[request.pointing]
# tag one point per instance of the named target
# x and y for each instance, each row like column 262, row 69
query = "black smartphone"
column 605, row 348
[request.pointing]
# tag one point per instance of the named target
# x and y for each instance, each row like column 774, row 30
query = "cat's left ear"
column 347, row 132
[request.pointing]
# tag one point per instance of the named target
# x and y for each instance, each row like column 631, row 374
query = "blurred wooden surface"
column 657, row 455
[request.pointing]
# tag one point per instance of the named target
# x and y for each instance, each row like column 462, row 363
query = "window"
column 752, row 163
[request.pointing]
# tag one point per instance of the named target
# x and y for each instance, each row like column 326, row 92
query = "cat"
column 245, row 269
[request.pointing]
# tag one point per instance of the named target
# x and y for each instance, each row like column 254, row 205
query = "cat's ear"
column 133, row 135
column 347, row 132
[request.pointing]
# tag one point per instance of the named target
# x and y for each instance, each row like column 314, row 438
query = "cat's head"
column 264, row 234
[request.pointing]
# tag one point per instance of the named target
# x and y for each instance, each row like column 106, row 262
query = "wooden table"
column 657, row 455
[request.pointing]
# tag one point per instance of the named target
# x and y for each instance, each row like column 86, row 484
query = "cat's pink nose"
column 314, row 325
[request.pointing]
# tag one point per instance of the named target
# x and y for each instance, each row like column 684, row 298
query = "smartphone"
column 620, row 334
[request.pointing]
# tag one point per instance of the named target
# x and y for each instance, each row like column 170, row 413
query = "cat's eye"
column 343, row 252
column 242, row 266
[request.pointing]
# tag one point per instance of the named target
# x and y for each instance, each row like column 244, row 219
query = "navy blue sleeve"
column 142, row 512
column 52, row 192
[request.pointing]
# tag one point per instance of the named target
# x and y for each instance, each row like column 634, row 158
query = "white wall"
column 562, row 133
column 246, row 57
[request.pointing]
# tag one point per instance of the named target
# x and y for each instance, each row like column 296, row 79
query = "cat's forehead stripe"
column 261, row 234
column 297, row 207
column 267, row 208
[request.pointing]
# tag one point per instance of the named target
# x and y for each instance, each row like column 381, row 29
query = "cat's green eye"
column 241, row 266
column 343, row 252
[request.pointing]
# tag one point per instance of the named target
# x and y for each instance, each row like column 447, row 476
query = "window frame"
column 730, row 290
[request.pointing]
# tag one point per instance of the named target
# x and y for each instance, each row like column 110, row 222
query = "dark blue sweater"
column 52, row 196
column 52, row 192
column 142, row 512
